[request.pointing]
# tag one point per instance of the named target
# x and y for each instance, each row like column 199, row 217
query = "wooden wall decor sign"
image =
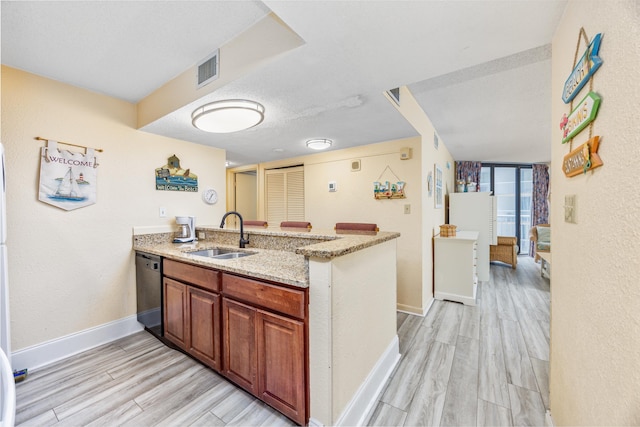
column 580, row 117
column 584, row 69
column 582, row 159
column 171, row 177
column 386, row 190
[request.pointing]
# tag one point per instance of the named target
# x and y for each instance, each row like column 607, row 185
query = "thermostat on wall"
column 333, row 186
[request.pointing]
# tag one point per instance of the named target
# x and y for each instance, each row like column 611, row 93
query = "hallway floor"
column 475, row 366
column 460, row 365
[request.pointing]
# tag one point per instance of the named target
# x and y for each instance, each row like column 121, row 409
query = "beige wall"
column 595, row 292
column 431, row 156
column 357, row 320
column 69, row 271
column 353, row 201
column 246, row 195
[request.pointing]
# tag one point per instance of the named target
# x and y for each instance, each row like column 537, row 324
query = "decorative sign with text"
column 584, row 69
column 68, row 179
column 580, row 117
column 582, row 159
column 171, row 177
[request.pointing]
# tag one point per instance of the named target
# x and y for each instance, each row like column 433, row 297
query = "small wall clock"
column 210, row 196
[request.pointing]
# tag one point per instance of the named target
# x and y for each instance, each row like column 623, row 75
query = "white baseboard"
column 455, row 297
column 548, row 421
column 365, row 399
column 314, row 423
column 51, row 351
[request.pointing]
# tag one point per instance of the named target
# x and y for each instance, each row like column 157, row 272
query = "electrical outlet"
column 163, row 212
column 407, row 209
column 570, row 209
column 201, row 235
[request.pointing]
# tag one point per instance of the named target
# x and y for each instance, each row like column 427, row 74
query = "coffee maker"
column 186, row 229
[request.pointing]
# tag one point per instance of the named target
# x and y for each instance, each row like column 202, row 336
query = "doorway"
column 246, row 194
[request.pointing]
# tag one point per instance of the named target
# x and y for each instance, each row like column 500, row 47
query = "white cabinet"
column 456, row 259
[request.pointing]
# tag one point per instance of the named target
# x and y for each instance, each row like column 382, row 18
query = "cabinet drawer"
column 277, row 298
column 199, row 276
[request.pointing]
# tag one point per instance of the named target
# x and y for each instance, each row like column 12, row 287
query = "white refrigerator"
column 476, row 212
column 7, row 385
column 5, row 336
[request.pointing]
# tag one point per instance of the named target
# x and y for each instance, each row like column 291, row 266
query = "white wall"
column 595, row 291
column 70, row 271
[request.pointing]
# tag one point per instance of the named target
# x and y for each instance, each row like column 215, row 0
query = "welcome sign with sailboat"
column 69, row 188
column 67, row 179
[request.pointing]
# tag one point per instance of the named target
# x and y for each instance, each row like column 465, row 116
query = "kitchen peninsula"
column 347, row 283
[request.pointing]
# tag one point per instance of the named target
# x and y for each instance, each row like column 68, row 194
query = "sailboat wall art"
column 67, row 178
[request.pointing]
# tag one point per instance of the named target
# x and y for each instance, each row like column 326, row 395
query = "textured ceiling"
column 480, row 69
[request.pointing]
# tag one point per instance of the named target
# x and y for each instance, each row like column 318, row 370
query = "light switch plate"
column 163, row 212
column 333, row 186
column 570, row 209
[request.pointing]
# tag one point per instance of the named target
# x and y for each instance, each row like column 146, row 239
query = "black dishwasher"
column 149, row 292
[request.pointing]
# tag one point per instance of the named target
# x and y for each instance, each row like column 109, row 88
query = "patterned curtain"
column 539, row 203
column 465, row 170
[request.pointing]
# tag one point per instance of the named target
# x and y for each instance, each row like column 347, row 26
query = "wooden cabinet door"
column 281, row 372
column 239, row 336
column 175, row 313
column 204, row 326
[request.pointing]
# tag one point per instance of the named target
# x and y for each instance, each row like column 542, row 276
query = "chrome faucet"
column 243, row 241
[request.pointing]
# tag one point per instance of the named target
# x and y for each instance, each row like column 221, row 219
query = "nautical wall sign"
column 580, row 117
column 584, row 69
column 386, row 190
column 582, row 159
column 67, row 178
column 171, row 177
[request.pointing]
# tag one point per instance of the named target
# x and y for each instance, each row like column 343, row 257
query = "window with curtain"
column 539, row 201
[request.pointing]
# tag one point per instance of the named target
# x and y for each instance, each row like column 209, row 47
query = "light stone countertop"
column 280, row 255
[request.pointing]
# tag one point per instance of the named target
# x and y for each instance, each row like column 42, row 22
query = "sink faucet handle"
column 244, row 241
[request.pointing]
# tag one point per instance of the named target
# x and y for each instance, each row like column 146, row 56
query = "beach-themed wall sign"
column 388, row 190
column 586, row 67
column 582, row 159
column 68, row 179
column 172, row 177
column 580, row 117
column 585, row 157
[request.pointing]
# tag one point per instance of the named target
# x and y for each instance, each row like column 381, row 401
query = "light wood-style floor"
column 460, row 365
column 475, row 366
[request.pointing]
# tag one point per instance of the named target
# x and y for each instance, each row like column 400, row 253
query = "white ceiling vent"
column 208, row 70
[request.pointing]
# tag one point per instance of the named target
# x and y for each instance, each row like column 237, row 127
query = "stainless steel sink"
column 220, row 253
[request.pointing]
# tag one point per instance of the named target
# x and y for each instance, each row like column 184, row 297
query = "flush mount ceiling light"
column 319, row 144
column 228, row 116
